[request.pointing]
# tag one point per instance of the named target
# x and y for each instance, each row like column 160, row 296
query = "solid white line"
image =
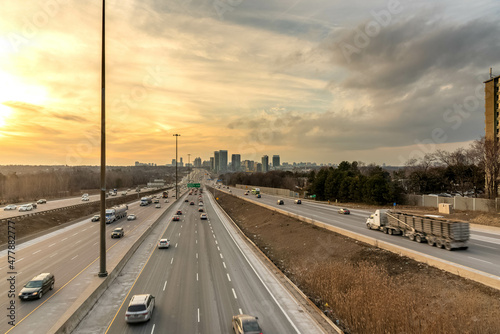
column 51, row 245
column 53, row 255
column 229, row 277
column 234, row 293
column 38, row 251
column 153, row 329
column 241, row 312
column 198, row 315
column 172, row 261
column 470, row 257
column 164, row 285
column 73, row 258
column 224, row 263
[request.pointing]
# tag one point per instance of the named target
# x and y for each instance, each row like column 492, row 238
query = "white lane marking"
column 216, row 242
column 175, row 245
column 51, row 245
column 78, row 241
column 153, row 329
column 38, row 251
column 198, row 315
column 195, row 231
column 196, row 241
column 53, row 255
column 470, row 257
column 213, row 235
column 197, row 276
column 234, row 293
column 241, row 312
column 181, row 226
column 64, row 239
column 172, row 261
column 221, row 256
column 495, row 248
column 196, row 255
column 218, row 248
column 224, row 263
column 179, row 234
column 228, row 277
column 74, row 234
column 95, row 243
column 164, row 285
column 84, row 230
column 74, row 258
column 20, row 259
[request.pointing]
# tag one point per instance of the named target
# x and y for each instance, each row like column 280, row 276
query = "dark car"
column 179, row 212
column 281, row 202
column 186, row 200
column 192, row 203
column 246, row 324
column 200, row 209
column 37, row 286
column 344, row 211
column 298, row 201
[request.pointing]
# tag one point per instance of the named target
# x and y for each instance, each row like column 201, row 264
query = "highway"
column 64, row 253
column 482, row 254
column 201, row 281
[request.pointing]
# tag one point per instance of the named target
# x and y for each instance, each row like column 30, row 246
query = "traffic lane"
column 252, row 296
column 62, row 255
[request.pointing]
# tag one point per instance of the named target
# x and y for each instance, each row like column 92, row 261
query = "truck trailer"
column 435, row 231
column 146, row 201
column 115, row 213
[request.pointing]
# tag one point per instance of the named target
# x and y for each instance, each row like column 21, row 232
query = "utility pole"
column 176, row 187
column 102, row 218
column 189, row 167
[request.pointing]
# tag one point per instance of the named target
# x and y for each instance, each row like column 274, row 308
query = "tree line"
column 53, row 182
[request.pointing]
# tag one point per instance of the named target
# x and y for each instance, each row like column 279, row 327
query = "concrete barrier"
column 459, row 270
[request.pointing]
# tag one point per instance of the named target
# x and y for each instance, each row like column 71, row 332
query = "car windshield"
column 250, row 326
column 117, row 231
column 137, row 308
column 34, row 284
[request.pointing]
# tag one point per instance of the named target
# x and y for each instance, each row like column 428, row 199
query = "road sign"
column 193, row 185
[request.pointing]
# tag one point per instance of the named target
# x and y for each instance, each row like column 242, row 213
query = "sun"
column 5, row 112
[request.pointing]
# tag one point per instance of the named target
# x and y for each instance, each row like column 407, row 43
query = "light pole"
column 102, row 218
column 176, row 189
column 189, row 168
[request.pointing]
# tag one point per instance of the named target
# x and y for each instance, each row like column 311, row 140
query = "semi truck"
column 255, row 191
column 435, row 230
column 146, row 201
column 115, row 213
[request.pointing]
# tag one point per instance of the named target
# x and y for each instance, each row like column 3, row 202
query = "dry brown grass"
column 367, row 289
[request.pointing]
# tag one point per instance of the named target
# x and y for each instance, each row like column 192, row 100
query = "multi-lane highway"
column 64, row 253
column 482, row 254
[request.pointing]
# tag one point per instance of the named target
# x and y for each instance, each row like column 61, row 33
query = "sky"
column 310, row 80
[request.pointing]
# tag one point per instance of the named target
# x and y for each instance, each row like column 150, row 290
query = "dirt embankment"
column 35, row 224
column 366, row 289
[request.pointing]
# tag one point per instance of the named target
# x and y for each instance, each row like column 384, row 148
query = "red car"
column 179, row 212
column 200, row 210
column 176, row 218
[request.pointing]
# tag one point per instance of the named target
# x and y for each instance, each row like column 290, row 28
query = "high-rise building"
column 259, row 167
column 216, row 161
column 276, row 161
column 265, row 164
column 212, row 163
column 197, row 162
column 491, row 105
column 173, row 162
column 223, row 160
column 236, row 162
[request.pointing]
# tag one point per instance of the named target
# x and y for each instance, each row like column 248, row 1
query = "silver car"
column 10, row 207
column 140, row 308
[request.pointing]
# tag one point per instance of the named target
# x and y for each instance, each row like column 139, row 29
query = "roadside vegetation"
column 366, row 289
column 29, row 183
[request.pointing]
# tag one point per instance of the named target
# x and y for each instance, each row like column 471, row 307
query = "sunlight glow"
column 5, row 112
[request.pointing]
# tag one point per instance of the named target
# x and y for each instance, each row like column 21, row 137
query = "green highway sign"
column 193, row 185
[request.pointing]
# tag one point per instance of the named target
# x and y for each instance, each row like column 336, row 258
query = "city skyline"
column 323, row 81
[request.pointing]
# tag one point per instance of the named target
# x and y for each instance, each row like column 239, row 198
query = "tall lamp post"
column 102, row 219
column 189, row 166
column 176, row 188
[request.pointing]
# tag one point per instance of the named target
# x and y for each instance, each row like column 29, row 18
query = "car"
column 166, row 201
column 186, row 200
column 258, row 196
column 246, row 193
column 200, row 204
column 140, row 308
column 132, row 217
column 117, row 232
column 203, row 216
column 179, row 212
column 176, row 218
column 192, row 203
column 95, row 218
column 344, row 211
column 246, row 324
column 41, row 201
column 156, row 201
column 281, row 202
column 298, row 201
column 163, row 243
column 85, row 195
column 10, row 207
column 124, row 193
column 39, row 285
column 85, row 199
column 25, row 207
column 200, row 209
column 34, row 205
column 158, row 206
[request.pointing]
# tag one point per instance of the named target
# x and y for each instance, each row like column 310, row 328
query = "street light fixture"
column 176, row 187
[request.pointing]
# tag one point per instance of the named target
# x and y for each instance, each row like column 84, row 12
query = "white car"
column 85, row 199
column 140, row 308
column 132, row 217
column 158, row 206
column 163, row 243
column 10, row 207
column 26, row 207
